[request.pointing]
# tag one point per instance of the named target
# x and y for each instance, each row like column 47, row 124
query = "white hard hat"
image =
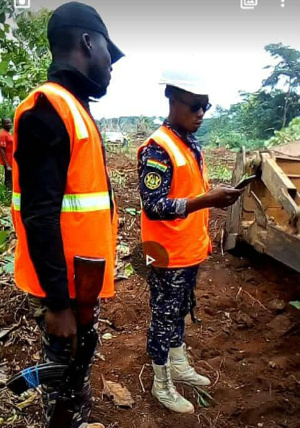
column 185, row 80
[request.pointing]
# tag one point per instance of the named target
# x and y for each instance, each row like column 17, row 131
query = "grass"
column 129, row 151
column 217, row 167
column 219, row 173
column 218, row 170
column 5, row 196
column 118, row 178
column 220, row 164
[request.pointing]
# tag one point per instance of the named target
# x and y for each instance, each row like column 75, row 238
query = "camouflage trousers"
column 58, row 350
column 171, row 299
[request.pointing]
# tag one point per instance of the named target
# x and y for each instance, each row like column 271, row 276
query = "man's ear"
column 86, row 43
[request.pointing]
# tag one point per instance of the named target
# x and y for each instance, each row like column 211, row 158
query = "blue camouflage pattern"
column 171, row 292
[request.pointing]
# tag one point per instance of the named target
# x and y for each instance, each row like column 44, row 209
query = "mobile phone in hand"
column 243, row 183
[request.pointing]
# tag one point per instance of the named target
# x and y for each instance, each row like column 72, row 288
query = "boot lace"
column 190, row 370
column 170, row 384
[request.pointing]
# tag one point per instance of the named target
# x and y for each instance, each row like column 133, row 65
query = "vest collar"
column 73, row 80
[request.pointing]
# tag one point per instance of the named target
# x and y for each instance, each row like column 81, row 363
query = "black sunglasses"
column 196, row 106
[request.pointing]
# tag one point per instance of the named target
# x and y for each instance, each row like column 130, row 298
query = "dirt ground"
column 248, row 340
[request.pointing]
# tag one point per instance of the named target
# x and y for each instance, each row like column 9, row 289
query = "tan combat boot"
column 181, row 371
column 164, row 390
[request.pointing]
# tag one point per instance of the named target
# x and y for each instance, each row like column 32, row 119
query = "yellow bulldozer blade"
column 268, row 214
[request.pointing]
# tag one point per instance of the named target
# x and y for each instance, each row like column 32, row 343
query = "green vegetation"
column 7, row 110
column 130, row 125
column 286, row 135
column 260, row 115
column 118, row 178
column 219, row 173
column 285, row 72
column 263, row 118
column 296, row 304
column 5, row 195
column 218, row 168
column 5, row 218
column 24, row 52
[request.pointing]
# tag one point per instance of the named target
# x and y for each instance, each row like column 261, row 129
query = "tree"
column 6, row 12
column 251, row 121
column 24, row 52
column 286, row 72
column 6, row 110
column 260, row 114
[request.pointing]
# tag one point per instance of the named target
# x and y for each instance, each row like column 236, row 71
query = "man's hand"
column 61, row 324
column 223, row 196
column 8, row 168
column 220, row 197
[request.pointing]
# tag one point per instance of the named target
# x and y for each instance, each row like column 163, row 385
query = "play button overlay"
column 149, row 260
column 147, row 255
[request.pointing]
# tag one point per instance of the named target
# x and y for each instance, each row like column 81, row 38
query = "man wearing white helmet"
column 175, row 201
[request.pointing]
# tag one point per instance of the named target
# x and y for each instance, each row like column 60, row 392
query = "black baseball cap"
column 80, row 15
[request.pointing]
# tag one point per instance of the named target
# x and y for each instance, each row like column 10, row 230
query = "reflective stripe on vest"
column 179, row 158
column 81, row 130
column 84, row 202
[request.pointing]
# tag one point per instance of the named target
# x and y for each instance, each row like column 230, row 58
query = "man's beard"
column 98, row 92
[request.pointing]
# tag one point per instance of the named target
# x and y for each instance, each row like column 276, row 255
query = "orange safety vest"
column 187, row 240
column 88, row 226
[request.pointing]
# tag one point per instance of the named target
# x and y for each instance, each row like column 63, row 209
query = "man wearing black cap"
column 47, row 140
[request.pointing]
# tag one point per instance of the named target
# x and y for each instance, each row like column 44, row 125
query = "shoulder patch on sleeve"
column 156, row 164
column 152, row 180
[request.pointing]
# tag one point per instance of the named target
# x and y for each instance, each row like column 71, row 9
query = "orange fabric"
column 186, row 241
column 90, row 234
column 6, row 143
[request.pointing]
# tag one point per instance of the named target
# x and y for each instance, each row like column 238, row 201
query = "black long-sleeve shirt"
column 43, row 157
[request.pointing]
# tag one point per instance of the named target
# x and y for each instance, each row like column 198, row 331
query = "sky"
column 216, row 38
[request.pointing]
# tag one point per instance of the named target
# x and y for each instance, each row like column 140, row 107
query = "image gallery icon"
column 22, row 4
column 248, row 4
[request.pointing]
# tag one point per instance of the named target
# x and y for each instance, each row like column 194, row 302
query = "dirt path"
column 250, row 351
column 247, row 342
